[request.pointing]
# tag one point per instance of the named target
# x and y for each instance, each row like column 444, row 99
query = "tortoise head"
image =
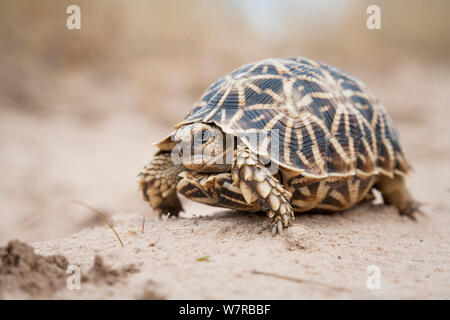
column 203, row 147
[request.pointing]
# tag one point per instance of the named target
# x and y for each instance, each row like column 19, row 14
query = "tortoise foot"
column 158, row 181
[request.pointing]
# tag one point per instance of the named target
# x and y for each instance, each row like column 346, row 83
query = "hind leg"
column 396, row 193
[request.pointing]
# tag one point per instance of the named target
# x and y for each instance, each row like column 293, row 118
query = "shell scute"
column 323, row 121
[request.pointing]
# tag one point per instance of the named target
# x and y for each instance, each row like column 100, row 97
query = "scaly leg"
column 214, row 190
column 258, row 185
column 158, row 182
column 395, row 193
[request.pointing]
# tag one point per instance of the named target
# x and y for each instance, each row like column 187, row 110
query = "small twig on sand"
column 34, row 219
column 179, row 228
column 160, row 230
column 274, row 275
column 98, row 214
column 204, row 258
column 143, row 223
column 185, row 227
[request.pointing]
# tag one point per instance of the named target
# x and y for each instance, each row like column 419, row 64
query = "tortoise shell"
column 326, row 121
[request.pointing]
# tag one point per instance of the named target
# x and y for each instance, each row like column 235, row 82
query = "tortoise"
column 281, row 135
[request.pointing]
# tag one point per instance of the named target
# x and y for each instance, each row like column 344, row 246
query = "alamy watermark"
column 73, row 21
column 214, row 148
column 73, row 281
column 374, row 19
column 374, row 277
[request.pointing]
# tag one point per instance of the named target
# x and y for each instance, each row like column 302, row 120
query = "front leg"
column 158, row 182
column 257, row 184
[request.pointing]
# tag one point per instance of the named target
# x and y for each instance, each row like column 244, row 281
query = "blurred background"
column 79, row 109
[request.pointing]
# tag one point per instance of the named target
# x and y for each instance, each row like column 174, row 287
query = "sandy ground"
column 53, row 160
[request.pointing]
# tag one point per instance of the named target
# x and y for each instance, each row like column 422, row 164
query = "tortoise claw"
column 412, row 211
column 277, row 227
column 280, row 227
column 274, row 230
